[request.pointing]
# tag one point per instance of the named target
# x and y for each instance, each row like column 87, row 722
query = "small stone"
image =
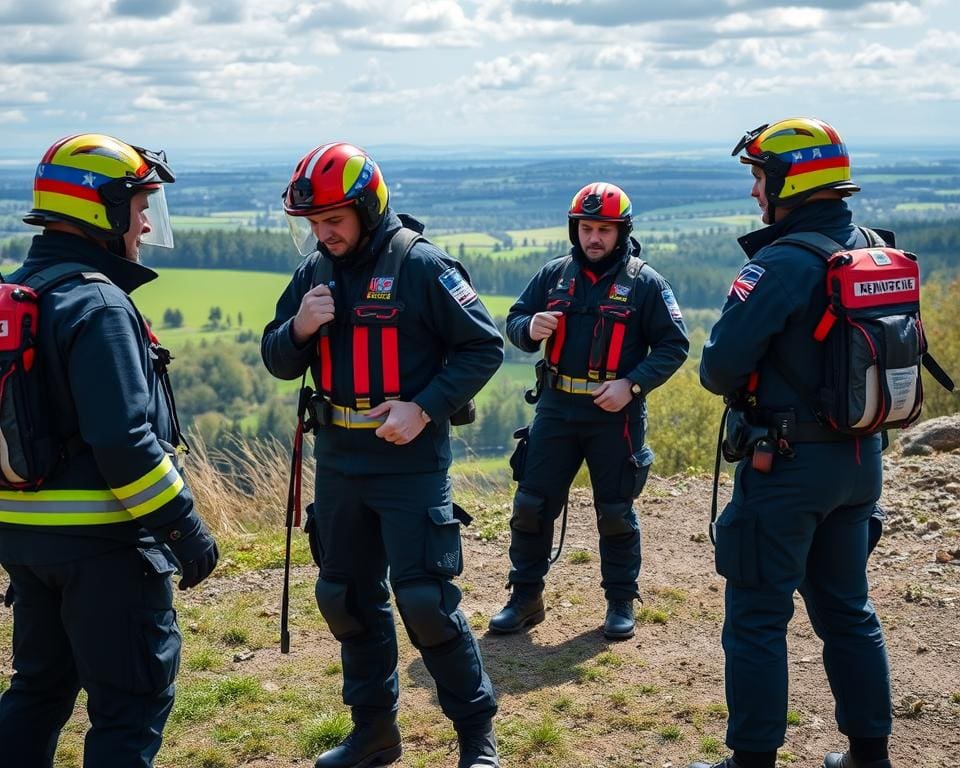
column 943, row 556
column 245, row 656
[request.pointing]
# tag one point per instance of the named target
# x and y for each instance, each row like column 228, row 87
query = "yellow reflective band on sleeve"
column 87, row 507
column 155, row 474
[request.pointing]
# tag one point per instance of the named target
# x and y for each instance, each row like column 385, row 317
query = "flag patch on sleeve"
column 746, row 281
column 671, row 301
column 457, row 287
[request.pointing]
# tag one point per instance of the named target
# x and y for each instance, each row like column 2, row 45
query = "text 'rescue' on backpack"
column 30, row 447
column 873, row 338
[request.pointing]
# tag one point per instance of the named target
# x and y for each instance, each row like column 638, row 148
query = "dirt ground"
column 671, row 674
column 656, row 700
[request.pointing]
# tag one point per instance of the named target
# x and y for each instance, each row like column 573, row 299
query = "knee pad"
column 333, row 605
column 614, row 518
column 528, row 511
column 421, row 607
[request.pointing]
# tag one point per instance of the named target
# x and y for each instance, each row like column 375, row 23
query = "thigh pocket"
column 313, row 536
column 635, row 472
column 159, row 640
column 518, row 459
column 443, row 555
column 736, row 546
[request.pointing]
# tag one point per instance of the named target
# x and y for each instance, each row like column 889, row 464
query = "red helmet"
column 333, row 176
column 600, row 201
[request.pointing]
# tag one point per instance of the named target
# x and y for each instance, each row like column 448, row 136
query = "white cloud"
column 12, row 116
column 510, row 72
column 470, row 70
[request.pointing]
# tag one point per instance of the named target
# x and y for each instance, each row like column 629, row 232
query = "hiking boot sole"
column 619, row 635
column 383, row 757
column 532, row 620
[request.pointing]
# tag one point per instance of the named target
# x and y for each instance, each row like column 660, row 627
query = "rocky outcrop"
column 939, row 435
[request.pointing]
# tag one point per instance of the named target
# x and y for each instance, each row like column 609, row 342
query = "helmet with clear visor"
column 89, row 179
column 328, row 177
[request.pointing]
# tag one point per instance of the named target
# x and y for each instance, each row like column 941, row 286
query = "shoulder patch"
column 746, row 281
column 457, row 287
column 671, row 301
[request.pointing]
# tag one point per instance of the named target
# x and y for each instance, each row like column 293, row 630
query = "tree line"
column 700, row 267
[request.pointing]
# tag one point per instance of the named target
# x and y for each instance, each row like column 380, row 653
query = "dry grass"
column 244, row 489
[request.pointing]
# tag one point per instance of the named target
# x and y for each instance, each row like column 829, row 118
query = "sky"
column 277, row 76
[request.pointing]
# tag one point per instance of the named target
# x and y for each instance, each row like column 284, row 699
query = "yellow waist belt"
column 573, row 385
column 349, row 418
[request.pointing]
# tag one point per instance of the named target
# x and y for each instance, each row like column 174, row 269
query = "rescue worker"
column 806, row 523
column 397, row 342
column 613, row 333
column 91, row 553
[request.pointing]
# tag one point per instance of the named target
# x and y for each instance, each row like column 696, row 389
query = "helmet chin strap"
column 116, row 247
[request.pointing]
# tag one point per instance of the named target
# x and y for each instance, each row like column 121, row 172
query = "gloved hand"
column 194, row 547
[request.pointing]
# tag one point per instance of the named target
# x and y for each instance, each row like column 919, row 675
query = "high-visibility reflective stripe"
column 86, row 507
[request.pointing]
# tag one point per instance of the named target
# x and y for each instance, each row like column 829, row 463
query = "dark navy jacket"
column 101, row 385
column 655, row 344
column 447, row 352
column 777, row 307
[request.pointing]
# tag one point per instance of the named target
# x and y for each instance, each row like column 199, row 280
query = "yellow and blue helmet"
column 799, row 156
column 88, row 180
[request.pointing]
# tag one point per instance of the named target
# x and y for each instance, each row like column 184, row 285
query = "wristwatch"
column 636, row 390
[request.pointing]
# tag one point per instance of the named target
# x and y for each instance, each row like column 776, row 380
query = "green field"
column 254, row 294
column 195, row 291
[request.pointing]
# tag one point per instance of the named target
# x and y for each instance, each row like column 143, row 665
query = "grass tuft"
column 320, row 735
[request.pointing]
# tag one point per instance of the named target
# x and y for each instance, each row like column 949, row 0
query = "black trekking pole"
column 293, row 513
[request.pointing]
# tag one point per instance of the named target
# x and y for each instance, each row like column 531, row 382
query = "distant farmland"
column 250, row 294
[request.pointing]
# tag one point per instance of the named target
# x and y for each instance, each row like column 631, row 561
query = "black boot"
column 478, row 746
column 845, row 760
column 619, row 622
column 523, row 609
column 369, row 744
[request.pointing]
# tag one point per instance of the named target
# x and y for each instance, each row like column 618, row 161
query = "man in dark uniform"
column 397, row 342
column 805, row 523
column 613, row 333
column 89, row 553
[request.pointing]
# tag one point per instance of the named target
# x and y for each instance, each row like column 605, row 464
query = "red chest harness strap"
column 377, row 314
column 613, row 314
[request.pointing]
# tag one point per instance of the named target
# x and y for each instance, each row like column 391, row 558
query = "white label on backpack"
column 902, row 383
column 880, row 258
column 876, row 287
column 4, row 328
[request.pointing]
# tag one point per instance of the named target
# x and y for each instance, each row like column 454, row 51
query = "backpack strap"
column 46, row 278
column 380, row 309
column 614, row 314
column 560, row 299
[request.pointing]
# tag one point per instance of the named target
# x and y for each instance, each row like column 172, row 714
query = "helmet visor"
column 158, row 217
column 302, row 234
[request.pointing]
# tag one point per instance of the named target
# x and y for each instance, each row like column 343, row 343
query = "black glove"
column 194, row 547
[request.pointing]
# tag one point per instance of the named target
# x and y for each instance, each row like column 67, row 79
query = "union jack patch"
column 746, row 281
column 381, row 284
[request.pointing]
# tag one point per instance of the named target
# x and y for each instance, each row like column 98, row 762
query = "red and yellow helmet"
column 601, row 201
column 88, row 180
column 799, row 156
column 333, row 176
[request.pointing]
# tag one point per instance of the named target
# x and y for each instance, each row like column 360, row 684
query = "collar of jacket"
column 52, row 246
column 611, row 263
column 811, row 217
column 379, row 237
